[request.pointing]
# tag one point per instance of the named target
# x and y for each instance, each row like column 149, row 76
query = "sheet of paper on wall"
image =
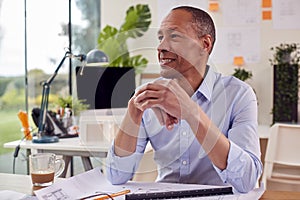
column 286, row 14
column 241, row 12
column 94, row 182
column 164, row 7
column 232, row 42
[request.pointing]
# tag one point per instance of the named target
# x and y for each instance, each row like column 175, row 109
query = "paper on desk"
column 94, row 181
column 79, row 186
column 11, row 195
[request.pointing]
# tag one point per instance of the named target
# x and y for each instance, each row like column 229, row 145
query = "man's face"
column 180, row 50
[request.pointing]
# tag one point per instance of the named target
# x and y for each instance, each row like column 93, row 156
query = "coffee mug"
column 44, row 167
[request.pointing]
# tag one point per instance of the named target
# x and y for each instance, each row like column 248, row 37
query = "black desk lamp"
column 41, row 135
column 95, row 57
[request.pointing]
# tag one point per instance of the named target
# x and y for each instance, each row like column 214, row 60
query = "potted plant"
column 285, row 61
column 242, row 74
column 76, row 105
column 69, row 109
column 113, row 41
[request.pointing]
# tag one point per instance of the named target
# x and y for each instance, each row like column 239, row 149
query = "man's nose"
column 163, row 46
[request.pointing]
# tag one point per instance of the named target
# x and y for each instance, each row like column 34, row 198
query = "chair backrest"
column 283, row 150
column 284, row 144
column 147, row 170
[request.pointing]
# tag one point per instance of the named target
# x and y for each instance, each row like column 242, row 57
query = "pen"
column 113, row 195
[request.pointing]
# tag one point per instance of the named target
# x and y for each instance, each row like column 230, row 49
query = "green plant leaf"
column 106, row 33
column 114, row 49
column 64, row 102
column 114, row 42
column 242, row 74
column 285, row 54
column 77, row 105
column 139, row 62
column 137, row 21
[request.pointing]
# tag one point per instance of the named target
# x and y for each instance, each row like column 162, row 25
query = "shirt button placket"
column 184, row 142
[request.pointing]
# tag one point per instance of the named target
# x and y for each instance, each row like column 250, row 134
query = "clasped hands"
column 169, row 101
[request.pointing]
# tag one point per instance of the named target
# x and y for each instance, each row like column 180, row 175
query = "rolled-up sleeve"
column 121, row 169
column 243, row 169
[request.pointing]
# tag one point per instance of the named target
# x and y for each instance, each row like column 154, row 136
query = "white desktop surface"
column 67, row 147
column 66, row 144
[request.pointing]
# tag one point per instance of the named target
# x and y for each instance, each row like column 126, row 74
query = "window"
column 31, row 48
column 12, row 75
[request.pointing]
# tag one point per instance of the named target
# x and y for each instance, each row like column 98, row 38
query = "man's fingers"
column 158, row 113
column 148, row 94
column 170, row 122
column 165, row 118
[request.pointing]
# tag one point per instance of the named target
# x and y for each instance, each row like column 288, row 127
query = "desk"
column 22, row 183
column 66, row 147
column 18, row 183
column 69, row 147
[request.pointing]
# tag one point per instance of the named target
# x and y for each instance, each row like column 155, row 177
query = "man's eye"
column 174, row 36
column 160, row 38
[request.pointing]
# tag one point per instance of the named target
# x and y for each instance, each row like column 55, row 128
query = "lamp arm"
column 45, row 97
column 51, row 78
column 44, row 109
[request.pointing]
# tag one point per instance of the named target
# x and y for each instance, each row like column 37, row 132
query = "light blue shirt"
column 231, row 104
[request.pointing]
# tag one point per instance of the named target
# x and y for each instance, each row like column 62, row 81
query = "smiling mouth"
column 165, row 61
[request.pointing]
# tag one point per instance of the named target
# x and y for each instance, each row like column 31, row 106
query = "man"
column 201, row 125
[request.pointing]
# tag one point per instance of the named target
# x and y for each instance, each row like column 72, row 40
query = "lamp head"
column 96, row 57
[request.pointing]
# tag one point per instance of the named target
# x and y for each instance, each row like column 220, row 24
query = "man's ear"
column 207, row 43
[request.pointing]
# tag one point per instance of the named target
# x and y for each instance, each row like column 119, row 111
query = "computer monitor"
column 105, row 87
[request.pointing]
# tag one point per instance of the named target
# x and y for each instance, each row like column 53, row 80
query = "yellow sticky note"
column 238, row 60
column 213, row 6
column 266, row 3
column 267, row 15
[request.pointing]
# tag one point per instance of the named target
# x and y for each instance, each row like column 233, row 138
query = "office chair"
column 282, row 161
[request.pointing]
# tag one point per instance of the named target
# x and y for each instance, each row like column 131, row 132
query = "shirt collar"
column 206, row 87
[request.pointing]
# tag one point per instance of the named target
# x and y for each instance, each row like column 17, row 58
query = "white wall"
column 113, row 13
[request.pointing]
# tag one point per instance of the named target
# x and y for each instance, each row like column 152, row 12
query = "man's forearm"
column 215, row 144
column 126, row 139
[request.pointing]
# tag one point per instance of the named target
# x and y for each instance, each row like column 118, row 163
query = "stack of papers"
column 93, row 182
